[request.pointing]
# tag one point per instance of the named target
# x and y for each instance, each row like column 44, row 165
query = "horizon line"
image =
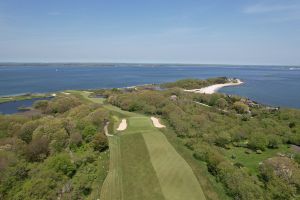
column 144, row 63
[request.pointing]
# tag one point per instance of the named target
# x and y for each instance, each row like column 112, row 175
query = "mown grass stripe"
column 176, row 178
column 139, row 178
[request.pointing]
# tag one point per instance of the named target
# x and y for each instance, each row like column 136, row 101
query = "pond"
column 13, row 107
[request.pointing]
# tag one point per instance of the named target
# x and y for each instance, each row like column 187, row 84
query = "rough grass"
column 112, row 187
column 212, row 189
column 251, row 161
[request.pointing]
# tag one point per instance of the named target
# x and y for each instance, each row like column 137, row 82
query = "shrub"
column 221, row 103
column 258, row 141
column 240, row 107
column 41, row 105
column 273, row 141
column 223, row 139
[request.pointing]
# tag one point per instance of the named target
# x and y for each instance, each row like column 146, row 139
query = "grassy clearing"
column 251, row 161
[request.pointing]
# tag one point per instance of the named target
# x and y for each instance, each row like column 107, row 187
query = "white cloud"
column 274, row 12
column 269, row 8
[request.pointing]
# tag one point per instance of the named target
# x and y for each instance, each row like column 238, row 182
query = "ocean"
column 271, row 85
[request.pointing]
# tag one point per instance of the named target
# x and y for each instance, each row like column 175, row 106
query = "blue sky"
column 156, row 31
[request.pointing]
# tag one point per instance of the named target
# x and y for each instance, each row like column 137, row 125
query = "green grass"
column 251, row 161
column 176, row 178
column 143, row 164
column 139, row 177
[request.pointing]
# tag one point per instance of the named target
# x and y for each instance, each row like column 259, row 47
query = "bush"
column 240, row 107
column 281, row 176
column 221, row 103
column 41, row 105
column 258, row 141
column 273, row 141
column 223, row 139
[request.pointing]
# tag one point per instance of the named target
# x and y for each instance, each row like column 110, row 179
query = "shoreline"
column 215, row 88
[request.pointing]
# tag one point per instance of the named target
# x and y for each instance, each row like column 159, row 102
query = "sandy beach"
column 214, row 88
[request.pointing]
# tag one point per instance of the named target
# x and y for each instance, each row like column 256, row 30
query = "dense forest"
column 251, row 150
column 60, row 153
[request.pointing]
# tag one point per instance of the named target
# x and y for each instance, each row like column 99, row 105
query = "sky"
column 262, row 32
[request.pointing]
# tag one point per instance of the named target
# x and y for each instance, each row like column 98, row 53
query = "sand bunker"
column 156, row 123
column 122, row 125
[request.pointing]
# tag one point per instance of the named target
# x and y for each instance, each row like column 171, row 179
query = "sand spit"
column 214, row 88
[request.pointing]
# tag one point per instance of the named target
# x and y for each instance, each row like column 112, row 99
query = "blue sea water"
column 13, row 106
column 272, row 85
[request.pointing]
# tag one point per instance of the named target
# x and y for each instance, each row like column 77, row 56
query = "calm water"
column 12, row 107
column 270, row 85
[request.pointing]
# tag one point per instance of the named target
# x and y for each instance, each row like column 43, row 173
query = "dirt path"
column 156, row 123
column 122, row 125
column 106, row 130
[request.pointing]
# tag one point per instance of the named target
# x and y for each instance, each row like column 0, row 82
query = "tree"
column 75, row 139
column 37, row 149
column 100, row 142
column 59, row 140
column 27, row 129
column 61, row 163
column 88, row 132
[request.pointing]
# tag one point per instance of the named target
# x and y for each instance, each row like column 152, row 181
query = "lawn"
column 251, row 161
